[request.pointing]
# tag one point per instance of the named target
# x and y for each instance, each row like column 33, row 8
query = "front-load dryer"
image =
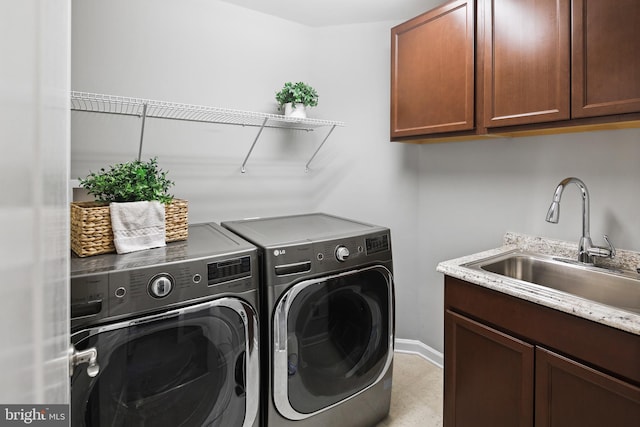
column 167, row 336
column 328, row 319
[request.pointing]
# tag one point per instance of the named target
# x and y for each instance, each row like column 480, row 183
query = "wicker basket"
column 91, row 232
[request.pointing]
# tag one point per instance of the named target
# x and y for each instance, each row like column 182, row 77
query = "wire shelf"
column 113, row 104
column 143, row 108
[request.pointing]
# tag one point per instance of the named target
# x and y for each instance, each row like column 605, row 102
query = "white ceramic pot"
column 297, row 110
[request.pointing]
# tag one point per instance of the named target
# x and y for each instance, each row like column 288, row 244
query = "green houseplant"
column 133, row 181
column 136, row 181
column 296, row 96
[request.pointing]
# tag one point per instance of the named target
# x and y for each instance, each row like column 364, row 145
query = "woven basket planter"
column 91, row 232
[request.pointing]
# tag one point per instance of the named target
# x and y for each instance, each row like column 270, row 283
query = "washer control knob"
column 342, row 253
column 160, row 285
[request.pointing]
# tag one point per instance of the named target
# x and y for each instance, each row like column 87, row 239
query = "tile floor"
column 416, row 396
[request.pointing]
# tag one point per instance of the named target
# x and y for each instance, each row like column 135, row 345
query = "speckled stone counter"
column 611, row 316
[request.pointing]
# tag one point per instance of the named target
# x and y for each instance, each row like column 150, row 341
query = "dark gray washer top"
column 205, row 240
column 283, row 230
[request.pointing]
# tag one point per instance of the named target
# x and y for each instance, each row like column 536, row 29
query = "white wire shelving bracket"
column 147, row 108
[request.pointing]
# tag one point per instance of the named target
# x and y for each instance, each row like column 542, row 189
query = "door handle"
column 240, row 374
column 89, row 356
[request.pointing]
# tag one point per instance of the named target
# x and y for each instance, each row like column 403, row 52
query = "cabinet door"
column 488, row 376
column 432, row 72
column 605, row 57
column 570, row 394
column 526, row 62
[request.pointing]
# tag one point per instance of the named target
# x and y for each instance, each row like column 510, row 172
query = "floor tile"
column 416, row 396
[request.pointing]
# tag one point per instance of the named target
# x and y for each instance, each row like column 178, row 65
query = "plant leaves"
column 129, row 182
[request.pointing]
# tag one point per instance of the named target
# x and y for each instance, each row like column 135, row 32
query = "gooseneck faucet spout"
column 586, row 250
column 553, row 215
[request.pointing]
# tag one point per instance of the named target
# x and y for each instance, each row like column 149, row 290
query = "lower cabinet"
column 571, row 394
column 516, row 374
column 488, row 376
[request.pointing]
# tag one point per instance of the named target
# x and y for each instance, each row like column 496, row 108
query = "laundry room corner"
column 357, row 173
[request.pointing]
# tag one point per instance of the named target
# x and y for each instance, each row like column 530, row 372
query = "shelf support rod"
column 254, row 144
column 306, row 167
column 144, row 118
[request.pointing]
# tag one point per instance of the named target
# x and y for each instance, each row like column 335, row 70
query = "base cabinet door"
column 570, row 394
column 488, row 376
column 510, row 362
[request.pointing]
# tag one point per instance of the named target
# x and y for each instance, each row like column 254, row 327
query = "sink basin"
column 619, row 289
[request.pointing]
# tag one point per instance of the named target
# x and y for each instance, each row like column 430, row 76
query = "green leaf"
column 299, row 92
column 129, row 182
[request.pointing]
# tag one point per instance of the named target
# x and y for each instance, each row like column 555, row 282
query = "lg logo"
column 279, row 252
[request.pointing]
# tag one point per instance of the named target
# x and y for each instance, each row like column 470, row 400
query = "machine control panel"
column 144, row 289
column 105, row 296
column 328, row 255
column 286, row 263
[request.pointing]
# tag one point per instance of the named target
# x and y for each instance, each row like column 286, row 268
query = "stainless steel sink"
column 616, row 288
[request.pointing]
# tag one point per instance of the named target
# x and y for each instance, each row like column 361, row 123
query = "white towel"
column 137, row 226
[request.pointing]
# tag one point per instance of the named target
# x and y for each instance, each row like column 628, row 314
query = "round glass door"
column 183, row 368
column 334, row 339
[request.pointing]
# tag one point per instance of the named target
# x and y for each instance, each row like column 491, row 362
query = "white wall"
column 198, row 52
column 440, row 201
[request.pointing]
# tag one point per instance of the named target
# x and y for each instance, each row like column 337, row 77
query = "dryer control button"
column 161, row 285
column 342, row 253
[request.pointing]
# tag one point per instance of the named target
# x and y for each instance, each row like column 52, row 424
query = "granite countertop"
column 611, row 316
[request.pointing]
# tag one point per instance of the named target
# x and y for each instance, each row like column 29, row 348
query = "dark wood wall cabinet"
column 471, row 68
column 432, row 76
column 526, row 63
column 512, row 363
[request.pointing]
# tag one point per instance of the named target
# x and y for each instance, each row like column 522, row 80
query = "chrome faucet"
column 586, row 249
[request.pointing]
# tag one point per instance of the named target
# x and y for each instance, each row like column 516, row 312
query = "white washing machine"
column 167, row 336
column 327, row 305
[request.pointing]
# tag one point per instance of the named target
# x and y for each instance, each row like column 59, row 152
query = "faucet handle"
column 612, row 250
column 601, row 251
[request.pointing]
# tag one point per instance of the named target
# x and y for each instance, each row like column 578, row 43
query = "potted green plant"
column 295, row 97
column 133, row 210
column 133, row 181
